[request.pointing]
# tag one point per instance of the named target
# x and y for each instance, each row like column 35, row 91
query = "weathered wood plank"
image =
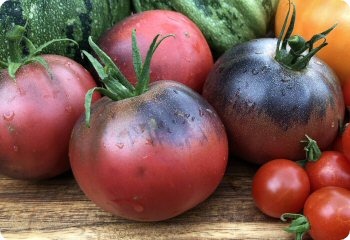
column 57, row 209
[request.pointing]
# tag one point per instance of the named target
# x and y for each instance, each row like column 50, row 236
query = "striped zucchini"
column 51, row 19
column 225, row 22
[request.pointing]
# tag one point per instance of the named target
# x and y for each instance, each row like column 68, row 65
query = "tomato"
column 345, row 140
column 337, row 144
column 37, row 114
column 148, row 154
column 267, row 108
column 316, row 16
column 185, row 58
column 328, row 211
column 331, row 169
column 151, row 157
column 280, row 186
column 346, row 93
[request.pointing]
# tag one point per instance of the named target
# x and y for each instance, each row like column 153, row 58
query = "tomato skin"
column 331, row 169
column 280, row 186
column 346, row 93
column 315, row 16
column 150, row 157
column 345, row 142
column 267, row 108
column 328, row 211
column 185, row 58
column 37, row 115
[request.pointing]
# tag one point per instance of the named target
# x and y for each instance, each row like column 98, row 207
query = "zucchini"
column 52, row 19
column 224, row 23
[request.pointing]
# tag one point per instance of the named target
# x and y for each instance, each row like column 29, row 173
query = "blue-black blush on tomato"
column 149, row 152
column 269, row 97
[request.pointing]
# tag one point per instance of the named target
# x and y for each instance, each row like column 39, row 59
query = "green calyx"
column 312, row 151
column 114, row 84
column 295, row 57
column 17, row 58
column 299, row 224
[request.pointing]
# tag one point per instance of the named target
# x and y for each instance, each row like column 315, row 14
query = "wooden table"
column 57, row 209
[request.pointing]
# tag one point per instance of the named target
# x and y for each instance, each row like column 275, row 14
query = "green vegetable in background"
column 52, row 19
column 224, row 23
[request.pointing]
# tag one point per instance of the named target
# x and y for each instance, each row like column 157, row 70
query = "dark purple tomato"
column 38, row 110
column 150, row 157
column 267, row 108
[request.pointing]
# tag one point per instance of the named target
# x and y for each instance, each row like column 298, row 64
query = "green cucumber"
column 51, row 19
column 224, row 23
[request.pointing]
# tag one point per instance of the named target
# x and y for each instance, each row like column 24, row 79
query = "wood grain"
column 57, row 209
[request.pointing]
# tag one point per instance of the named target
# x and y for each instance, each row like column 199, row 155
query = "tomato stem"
column 17, row 58
column 299, row 224
column 313, row 152
column 14, row 38
column 294, row 57
column 115, row 85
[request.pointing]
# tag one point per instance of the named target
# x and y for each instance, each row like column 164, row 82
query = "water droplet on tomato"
column 209, row 110
column 138, row 208
column 68, row 109
column 333, row 124
column 120, row 145
column 15, row 148
column 319, row 63
column 8, row 116
column 21, row 92
column 255, row 71
column 149, row 141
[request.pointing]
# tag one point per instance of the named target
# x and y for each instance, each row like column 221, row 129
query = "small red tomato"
column 280, row 186
column 185, row 58
column 331, row 169
column 328, row 212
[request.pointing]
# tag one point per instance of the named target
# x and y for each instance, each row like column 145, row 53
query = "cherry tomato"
column 328, row 212
column 185, row 58
column 38, row 110
column 316, row 16
column 331, row 169
column 280, row 186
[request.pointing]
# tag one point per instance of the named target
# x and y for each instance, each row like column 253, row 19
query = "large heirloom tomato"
column 269, row 96
column 185, row 58
column 42, row 96
column 149, row 156
column 38, row 110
